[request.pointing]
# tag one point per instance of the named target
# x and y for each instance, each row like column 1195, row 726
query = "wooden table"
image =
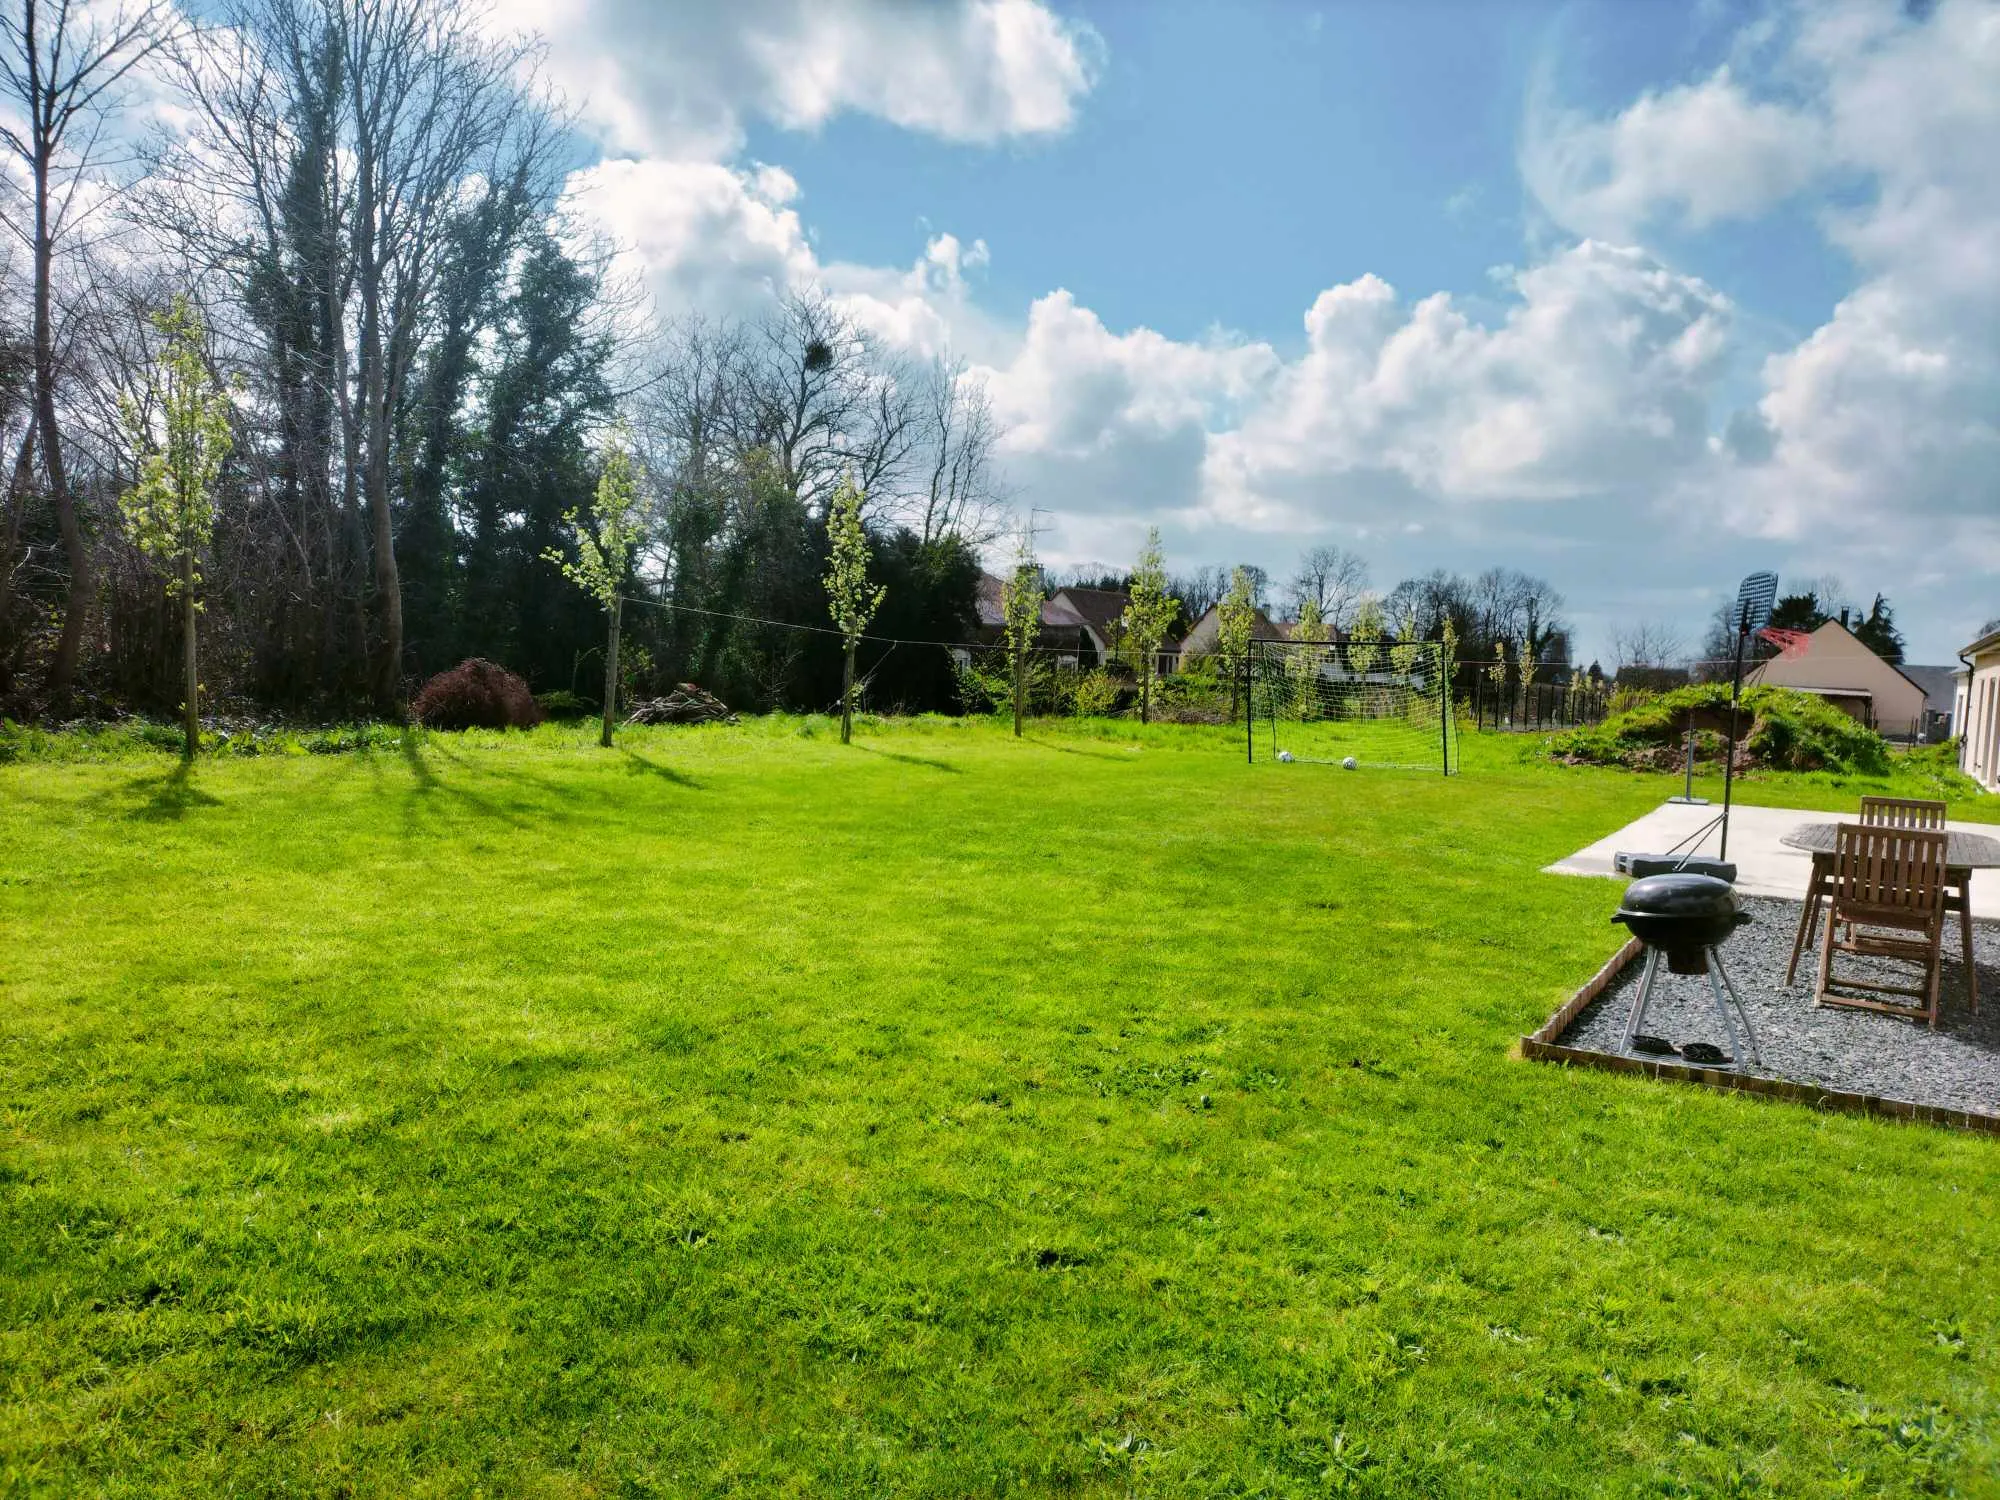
column 1963, row 853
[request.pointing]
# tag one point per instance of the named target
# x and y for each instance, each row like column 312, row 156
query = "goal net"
column 1379, row 703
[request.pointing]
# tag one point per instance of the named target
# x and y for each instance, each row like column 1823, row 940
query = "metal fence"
column 1538, row 706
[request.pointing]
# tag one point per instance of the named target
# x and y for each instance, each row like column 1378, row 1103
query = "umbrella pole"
column 1729, row 750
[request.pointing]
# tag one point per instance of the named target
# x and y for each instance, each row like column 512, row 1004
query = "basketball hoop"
column 1788, row 642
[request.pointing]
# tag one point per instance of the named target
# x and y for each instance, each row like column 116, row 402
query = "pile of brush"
column 686, row 704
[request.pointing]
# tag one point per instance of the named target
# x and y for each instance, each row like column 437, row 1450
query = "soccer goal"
column 1376, row 703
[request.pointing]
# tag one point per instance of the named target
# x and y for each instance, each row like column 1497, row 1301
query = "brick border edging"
column 1542, row 1045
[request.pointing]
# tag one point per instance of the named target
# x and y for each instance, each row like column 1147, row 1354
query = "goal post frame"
column 1374, row 701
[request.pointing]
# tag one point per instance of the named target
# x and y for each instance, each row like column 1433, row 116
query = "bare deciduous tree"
column 1334, row 579
column 432, row 107
column 1541, row 615
column 63, row 64
column 808, row 395
column 960, row 495
column 1647, row 643
column 362, row 171
column 1201, row 590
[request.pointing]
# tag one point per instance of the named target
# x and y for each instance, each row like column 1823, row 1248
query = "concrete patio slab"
column 1764, row 866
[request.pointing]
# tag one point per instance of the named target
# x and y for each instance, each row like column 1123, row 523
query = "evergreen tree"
column 1877, row 631
column 1799, row 612
column 528, row 463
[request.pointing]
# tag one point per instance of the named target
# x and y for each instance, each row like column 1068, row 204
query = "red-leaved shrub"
column 476, row 694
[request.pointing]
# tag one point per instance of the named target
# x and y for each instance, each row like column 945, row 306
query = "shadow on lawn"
column 168, row 797
column 640, row 765
column 413, row 757
column 427, row 785
column 912, row 760
column 1075, row 750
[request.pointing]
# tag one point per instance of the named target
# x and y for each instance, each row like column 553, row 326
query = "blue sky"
column 1231, row 164
column 1261, row 153
column 1679, row 291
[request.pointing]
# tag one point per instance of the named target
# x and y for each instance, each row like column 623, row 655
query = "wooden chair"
column 1916, row 812
column 1901, row 812
column 1893, row 812
column 1888, row 900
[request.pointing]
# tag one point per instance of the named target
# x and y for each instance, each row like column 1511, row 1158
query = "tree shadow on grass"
column 1075, row 750
column 912, row 760
column 413, row 757
column 168, row 797
column 640, row 765
column 427, row 785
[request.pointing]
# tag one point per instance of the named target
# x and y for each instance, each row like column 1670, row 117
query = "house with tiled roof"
column 1203, row 636
column 1062, row 631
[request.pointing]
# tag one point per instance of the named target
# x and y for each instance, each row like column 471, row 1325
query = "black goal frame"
column 1265, row 658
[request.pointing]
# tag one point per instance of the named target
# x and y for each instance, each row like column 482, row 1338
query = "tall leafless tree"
column 1541, row 616
column 960, row 495
column 432, row 108
column 1200, row 590
column 1647, row 643
column 17, row 437
column 1334, row 579
column 810, row 396
column 63, row 64
column 350, row 152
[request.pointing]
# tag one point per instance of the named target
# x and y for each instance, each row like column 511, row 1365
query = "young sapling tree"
column 1235, row 618
column 179, row 429
column 1311, row 631
column 1364, row 645
column 850, row 597
column 603, row 554
column 1148, row 613
column 1021, row 607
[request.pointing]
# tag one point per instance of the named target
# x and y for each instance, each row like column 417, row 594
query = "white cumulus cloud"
column 672, row 79
column 1707, row 151
column 1875, row 444
column 1597, row 381
column 1587, row 408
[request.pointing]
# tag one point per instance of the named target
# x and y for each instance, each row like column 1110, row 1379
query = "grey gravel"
column 1957, row 1066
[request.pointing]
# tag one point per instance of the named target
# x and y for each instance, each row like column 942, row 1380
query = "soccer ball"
column 1285, row 756
column 1350, row 764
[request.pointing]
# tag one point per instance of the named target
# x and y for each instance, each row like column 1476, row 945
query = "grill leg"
column 1749, row 1033
column 1639, row 1003
column 1722, row 1011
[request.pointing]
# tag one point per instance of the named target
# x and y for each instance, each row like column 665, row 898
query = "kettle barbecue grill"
column 1684, row 919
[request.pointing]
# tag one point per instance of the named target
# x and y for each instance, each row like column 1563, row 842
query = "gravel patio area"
column 1957, row 1066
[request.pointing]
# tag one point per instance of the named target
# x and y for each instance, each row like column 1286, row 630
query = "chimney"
column 1843, row 617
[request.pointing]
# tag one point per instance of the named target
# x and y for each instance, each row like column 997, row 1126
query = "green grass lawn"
column 734, row 1112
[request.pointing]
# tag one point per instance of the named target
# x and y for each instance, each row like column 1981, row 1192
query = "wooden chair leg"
column 1965, row 940
column 1825, row 963
column 1808, row 919
column 1937, row 968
